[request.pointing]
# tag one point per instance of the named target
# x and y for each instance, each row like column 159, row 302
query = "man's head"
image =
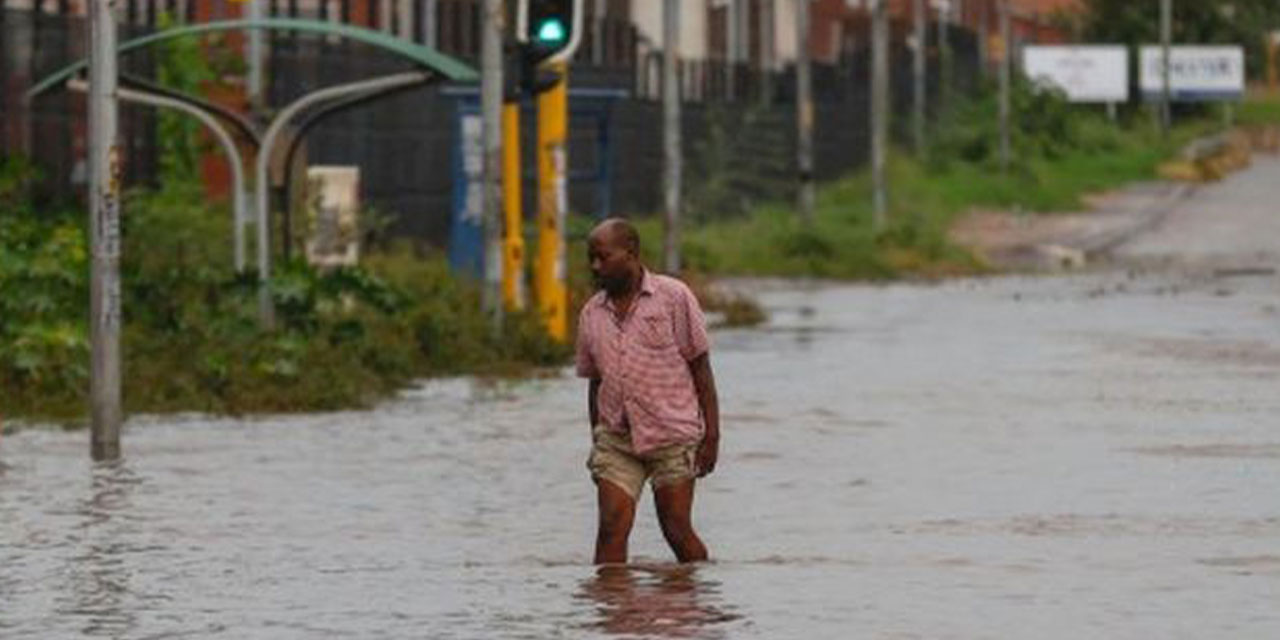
column 613, row 254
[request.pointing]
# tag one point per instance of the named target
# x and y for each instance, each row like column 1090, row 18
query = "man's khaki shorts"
column 613, row 459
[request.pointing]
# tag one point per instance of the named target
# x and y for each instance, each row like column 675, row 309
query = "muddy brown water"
column 1091, row 456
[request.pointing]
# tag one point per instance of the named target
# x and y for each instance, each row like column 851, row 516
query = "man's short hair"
column 624, row 232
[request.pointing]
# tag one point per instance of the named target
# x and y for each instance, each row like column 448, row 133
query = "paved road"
column 1091, row 455
column 1234, row 224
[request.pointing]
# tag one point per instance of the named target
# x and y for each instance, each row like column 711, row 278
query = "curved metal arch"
column 300, row 131
column 447, row 66
column 242, row 124
column 228, row 147
column 261, row 166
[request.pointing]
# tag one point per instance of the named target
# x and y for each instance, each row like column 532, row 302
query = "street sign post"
column 549, row 32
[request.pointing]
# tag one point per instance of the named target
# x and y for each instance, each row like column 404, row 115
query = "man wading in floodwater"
column 642, row 343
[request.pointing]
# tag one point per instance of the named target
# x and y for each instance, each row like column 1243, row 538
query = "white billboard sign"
column 1196, row 74
column 1087, row 73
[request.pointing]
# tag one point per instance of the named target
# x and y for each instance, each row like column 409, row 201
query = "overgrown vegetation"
column 191, row 340
column 1262, row 108
column 182, row 65
column 1060, row 152
column 344, row 338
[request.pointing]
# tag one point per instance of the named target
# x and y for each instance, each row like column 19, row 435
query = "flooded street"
column 1088, row 456
column 1085, row 456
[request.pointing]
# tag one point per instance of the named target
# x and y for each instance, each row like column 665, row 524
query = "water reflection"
column 656, row 601
column 99, row 574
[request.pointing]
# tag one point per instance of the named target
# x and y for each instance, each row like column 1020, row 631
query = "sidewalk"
column 1028, row 241
column 1228, row 225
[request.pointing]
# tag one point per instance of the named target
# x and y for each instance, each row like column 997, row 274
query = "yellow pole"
column 553, row 196
column 513, row 239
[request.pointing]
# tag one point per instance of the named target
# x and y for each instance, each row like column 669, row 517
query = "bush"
column 1043, row 126
column 344, row 337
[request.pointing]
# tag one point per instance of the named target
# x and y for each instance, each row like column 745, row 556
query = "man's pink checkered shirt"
column 642, row 362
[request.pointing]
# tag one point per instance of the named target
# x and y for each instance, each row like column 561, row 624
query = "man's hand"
column 708, row 452
column 704, row 384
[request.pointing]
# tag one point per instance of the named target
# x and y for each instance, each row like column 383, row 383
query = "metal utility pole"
column 597, row 32
column 767, row 44
column 429, row 27
column 673, row 160
column 919, row 69
column 733, row 40
column 945, row 66
column 104, row 224
column 255, row 54
column 1006, row 72
column 879, row 110
column 804, row 113
column 491, row 139
column 1166, row 95
column 984, row 54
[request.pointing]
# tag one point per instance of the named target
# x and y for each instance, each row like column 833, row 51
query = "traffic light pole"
column 512, row 200
column 553, row 177
column 549, row 32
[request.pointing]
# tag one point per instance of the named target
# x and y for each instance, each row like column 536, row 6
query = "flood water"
column 1093, row 456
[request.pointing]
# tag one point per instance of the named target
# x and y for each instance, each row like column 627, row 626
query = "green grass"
column 1261, row 108
column 925, row 199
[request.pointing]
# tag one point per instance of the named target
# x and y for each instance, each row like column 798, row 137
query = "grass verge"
column 925, row 198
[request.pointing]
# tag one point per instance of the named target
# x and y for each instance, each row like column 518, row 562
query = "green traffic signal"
column 551, row 28
column 551, row 31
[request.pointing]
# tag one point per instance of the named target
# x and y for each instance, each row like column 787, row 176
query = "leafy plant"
column 184, row 65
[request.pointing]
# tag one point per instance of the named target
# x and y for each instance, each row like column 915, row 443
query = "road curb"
column 1100, row 244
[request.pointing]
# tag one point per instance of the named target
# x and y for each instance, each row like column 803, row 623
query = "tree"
column 1243, row 22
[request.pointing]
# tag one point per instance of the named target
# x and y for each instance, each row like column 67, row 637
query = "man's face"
column 611, row 263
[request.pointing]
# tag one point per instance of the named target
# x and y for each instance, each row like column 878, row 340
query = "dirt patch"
column 1011, row 240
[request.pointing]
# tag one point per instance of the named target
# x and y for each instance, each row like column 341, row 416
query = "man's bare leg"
column 617, row 513
column 675, row 515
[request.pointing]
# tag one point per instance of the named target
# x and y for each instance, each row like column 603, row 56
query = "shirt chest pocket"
column 655, row 332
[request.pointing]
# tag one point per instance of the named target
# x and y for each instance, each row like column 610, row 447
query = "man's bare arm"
column 593, row 407
column 704, row 382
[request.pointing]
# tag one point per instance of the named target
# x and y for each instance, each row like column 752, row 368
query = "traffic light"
column 549, row 29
